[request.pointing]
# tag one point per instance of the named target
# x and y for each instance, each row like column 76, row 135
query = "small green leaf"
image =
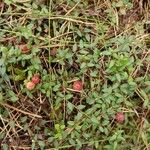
column 111, row 64
column 70, row 106
column 81, row 44
column 79, row 116
column 56, row 87
column 74, row 47
column 57, row 127
column 94, row 120
column 81, row 106
column 1, row 97
column 68, row 96
column 4, row 146
column 41, row 144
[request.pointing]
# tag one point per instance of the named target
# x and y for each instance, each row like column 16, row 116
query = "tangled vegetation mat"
column 75, row 74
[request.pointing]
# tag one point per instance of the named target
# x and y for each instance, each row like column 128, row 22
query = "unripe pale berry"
column 30, row 85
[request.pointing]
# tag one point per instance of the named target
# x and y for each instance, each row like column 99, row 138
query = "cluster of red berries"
column 77, row 85
column 34, row 81
column 36, row 78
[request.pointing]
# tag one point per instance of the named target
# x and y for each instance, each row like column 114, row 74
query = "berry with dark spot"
column 53, row 52
column 36, row 79
column 24, row 49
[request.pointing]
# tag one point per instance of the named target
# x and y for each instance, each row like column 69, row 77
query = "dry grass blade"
column 21, row 111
